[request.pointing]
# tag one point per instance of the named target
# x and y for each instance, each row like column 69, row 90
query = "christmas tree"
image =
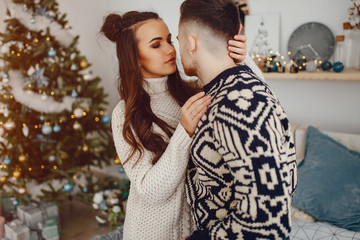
column 52, row 110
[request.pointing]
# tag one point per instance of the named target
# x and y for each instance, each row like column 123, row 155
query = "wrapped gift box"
column 33, row 213
column 6, row 201
column 50, row 229
column 17, row 230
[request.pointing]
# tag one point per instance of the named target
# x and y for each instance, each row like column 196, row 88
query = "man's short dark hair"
column 221, row 16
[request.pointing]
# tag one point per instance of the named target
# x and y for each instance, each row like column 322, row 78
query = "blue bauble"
column 338, row 67
column 273, row 67
column 326, row 66
column 68, row 187
column 5, row 75
column 52, row 53
column 15, row 202
column 121, row 170
column 46, row 129
column 7, row 161
column 84, row 189
column 74, row 94
column 103, row 205
column 311, row 66
column 42, row 118
column 56, row 128
column 105, row 119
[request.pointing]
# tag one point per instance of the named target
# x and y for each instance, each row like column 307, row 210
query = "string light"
column 97, row 119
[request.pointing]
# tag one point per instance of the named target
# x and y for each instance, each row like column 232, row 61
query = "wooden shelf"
column 349, row 74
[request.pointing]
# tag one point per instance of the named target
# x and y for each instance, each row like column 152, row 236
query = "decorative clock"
column 311, row 41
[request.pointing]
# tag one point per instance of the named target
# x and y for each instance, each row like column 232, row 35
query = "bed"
column 323, row 209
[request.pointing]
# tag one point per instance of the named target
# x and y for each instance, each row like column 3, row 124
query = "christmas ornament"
column 46, row 129
column 83, row 64
column 6, row 112
column 2, row 131
column 103, row 205
column 116, row 209
column 56, row 128
column 15, row 202
column 42, row 118
column 78, row 112
column 84, row 189
column 68, row 187
column 273, row 67
column 16, row 173
column 117, row 160
column 98, row 197
column 3, row 179
column 77, row 126
column 44, row 96
column 85, row 148
column 40, row 78
column 121, row 170
column 25, row 130
column 22, row 158
column 87, row 77
column 105, row 119
column 22, row 190
column 326, row 66
column 52, row 158
column 4, row 76
column 311, row 66
column 100, row 220
column 7, row 161
column 74, row 94
column 52, row 53
column 338, row 67
column 9, row 125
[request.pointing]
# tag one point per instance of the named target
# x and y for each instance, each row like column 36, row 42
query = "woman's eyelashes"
column 158, row 44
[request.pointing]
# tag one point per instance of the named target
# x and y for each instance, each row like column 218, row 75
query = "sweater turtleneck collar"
column 155, row 85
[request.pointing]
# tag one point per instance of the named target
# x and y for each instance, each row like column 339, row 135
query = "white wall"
column 334, row 106
column 331, row 105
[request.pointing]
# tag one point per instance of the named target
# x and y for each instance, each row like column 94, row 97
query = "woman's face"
column 157, row 55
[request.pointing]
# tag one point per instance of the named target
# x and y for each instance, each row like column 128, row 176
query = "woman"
column 150, row 142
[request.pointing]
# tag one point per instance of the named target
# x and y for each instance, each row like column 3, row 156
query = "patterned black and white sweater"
column 243, row 170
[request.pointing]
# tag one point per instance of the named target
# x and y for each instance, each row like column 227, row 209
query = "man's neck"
column 209, row 67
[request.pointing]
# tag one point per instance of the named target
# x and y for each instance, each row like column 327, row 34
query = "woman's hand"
column 237, row 48
column 193, row 110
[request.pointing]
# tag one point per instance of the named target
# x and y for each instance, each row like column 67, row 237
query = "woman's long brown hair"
column 139, row 117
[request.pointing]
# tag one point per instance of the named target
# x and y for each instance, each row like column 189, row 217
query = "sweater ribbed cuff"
column 181, row 137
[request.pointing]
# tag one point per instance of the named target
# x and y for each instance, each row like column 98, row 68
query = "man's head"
column 210, row 23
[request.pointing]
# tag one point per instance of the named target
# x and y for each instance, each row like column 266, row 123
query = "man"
column 242, row 172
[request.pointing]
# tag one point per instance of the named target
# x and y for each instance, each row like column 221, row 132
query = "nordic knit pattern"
column 156, row 207
column 242, row 172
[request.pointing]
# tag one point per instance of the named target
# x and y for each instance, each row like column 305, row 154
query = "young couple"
column 207, row 160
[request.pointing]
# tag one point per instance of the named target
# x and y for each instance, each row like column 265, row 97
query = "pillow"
column 329, row 182
column 299, row 215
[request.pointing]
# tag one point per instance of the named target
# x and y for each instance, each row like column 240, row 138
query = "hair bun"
column 112, row 26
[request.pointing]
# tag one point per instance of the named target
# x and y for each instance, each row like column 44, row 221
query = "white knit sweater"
column 157, row 206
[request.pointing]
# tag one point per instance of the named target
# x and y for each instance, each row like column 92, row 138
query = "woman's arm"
column 157, row 182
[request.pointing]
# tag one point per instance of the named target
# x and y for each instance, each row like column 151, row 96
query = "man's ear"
column 193, row 44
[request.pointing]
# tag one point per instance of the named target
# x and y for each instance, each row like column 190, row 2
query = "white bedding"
column 306, row 230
